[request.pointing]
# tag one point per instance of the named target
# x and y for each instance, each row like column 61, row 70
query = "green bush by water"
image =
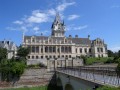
column 93, row 60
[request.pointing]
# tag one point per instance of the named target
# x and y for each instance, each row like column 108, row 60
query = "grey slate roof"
column 82, row 41
column 6, row 44
column 37, row 37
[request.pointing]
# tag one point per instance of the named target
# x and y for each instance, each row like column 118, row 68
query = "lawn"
column 91, row 60
column 29, row 88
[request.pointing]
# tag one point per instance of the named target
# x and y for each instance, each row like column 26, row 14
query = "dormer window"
column 33, row 40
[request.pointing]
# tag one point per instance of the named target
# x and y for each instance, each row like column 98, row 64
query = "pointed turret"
column 58, row 27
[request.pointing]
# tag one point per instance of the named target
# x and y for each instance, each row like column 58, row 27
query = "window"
column 66, row 56
column 63, row 56
column 50, row 49
column 102, row 55
column 69, row 56
column 80, row 50
column 32, row 57
column 58, row 50
column 76, row 50
column 58, row 56
column 62, row 49
column 54, row 49
column 33, row 40
column 50, row 56
column 85, row 50
column 69, row 49
column 98, row 55
column 66, row 50
column 41, row 57
column 36, row 57
column 46, row 49
column 37, row 49
column 90, row 50
column 29, row 47
column 98, row 50
column 101, row 49
column 33, row 49
column 28, row 57
column 53, row 56
column 41, row 50
column 46, row 56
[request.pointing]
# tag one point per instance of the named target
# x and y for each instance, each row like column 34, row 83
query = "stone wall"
column 31, row 77
column 35, row 77
column 52, row 64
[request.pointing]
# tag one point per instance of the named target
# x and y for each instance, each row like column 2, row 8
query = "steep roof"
column 7, row 44
column 83, row 41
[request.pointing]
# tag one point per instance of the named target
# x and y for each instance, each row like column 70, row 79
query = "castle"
column 59, row 46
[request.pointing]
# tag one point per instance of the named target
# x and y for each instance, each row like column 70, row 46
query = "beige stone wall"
column 53, row 64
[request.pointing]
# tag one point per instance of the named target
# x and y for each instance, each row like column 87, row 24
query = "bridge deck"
column 104, row 77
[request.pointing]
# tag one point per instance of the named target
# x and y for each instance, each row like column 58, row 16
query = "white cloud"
column 63, row 6
column 38, row 17
column 52, row 12
column 81, row 27
column 22, row 28
column 18, row 22
column 72, row 17
column 36, row 28
column 73, row 27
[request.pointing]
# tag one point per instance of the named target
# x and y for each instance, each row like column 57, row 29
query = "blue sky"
column 97, row 18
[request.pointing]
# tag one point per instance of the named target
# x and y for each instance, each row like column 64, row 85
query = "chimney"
column 88, row 36
column 76, row 36
column 70, row 36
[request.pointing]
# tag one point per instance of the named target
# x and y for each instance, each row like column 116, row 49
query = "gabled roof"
column 7, row 44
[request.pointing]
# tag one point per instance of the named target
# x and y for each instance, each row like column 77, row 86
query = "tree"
column 23, row 52
column 11, row 70
column 119, row 53
column 118, row 68
column 3, row 53
column 110, row 53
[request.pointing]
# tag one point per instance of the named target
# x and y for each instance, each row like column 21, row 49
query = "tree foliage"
column 3, row 53
column 23, row 51
column 110, row 53
column 11, row 69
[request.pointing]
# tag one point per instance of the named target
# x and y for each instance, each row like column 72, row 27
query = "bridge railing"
column 105, row 75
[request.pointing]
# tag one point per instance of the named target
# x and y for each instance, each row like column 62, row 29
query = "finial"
column 41, row 34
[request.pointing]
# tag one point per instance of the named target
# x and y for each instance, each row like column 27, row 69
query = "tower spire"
column 58, row 27
column 23, row 34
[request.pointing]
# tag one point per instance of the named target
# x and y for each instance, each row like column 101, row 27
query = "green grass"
column 29, row 88
column 108, row 88
column 91, row 60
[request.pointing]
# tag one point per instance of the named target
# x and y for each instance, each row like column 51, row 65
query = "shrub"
column 108, row 88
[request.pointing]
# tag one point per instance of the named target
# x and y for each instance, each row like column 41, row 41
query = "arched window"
column 33, row 49
column 62, row 49
column 66, row 50
column 80, row 50
column 36, row 57
column 69, row 49
column 37, row 49
column 50, row 49
column 54, row 49
column 46, row 49
column 41, row 50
